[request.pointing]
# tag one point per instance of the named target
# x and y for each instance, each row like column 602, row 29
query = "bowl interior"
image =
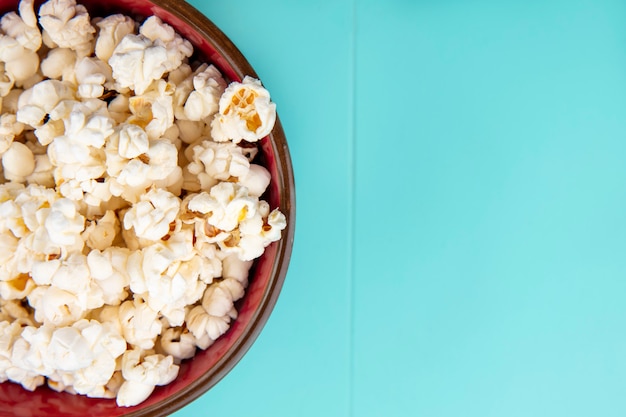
column 207, row 367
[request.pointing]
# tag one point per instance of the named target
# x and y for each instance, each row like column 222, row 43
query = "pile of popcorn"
column 130, row 206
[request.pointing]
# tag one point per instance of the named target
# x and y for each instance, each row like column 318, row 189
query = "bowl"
column 207, row 367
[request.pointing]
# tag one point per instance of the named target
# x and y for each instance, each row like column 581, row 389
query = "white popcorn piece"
column 137, row 61
column 106, row 346
column 17, row 288
column 217, row 301
column 108, row 269
column 179, row 286
column 19, row 62
column 59, row 64
column 68, row 350
column 10, row 332
column 158, row 167
column 91, row 75
column 112, row 30
column 236, row 221
column 8, row 263
column 142, row 374
column 79, row 154
column 227, row 204
column 100, row 233
column 210, row 255
column 18, row 162
column 235, row 268
column 189, row 131
column 36, row 102
column 163, row 34
column 153, row 110
column 72, row 275
column 202, row 102
column 13, row 310
column 182, row 78
column 65, row 224
column 43, row 174
column 140, row 324
column 118, row 108
column 55, row 306
column 213, row 317
column 85, row 130
column 256, row 233
column 23, row 212
column 67, row 25
column 132, row 141
column 7, row 82
column 213, row 162
column 178, row 343
column 23, row 27
column 9, row 102
column 48, row 131
column 245, row 112
column 255, row 180
column 42, row 271
column 202, row 325
column 9, row 129
column 26, row 368
column 152, row 215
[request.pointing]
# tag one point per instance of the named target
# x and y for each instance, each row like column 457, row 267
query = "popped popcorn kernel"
column 245, row 113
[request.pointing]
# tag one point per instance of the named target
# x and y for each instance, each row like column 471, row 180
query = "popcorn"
column 142, row 374
column 18, row 288
column 100, row 233
column 136, row 62
column 140, row 324
column 178, row 343
column 7, row 81
column 160, row 33
column 65, row 224
column 108, row 269
column 55, row 306
column 59, row 64
column 226, row 205
column 130, row 207
column 153, row 110
column 36, row 102
column 203, row 100
column 245, row 112
column 20, row 63
column 13, row 310
column 130, row 178
column 112, row 30
column 18, row 162
column 10, row 331
column 67, row 25
column 43, row 172
column 23, row 28
column 214, row 162
column 91, row 74
column 152, row 215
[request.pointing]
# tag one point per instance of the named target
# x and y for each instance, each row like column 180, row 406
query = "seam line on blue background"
column 351, row 207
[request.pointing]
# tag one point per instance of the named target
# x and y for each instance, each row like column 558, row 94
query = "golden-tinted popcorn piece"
column 245, row 113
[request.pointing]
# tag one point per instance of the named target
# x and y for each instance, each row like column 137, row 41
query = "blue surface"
column 461, row 207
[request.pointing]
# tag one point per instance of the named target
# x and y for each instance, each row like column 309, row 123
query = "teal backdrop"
column 460, row 245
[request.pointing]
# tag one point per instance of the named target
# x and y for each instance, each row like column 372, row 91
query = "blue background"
column 461, row 209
